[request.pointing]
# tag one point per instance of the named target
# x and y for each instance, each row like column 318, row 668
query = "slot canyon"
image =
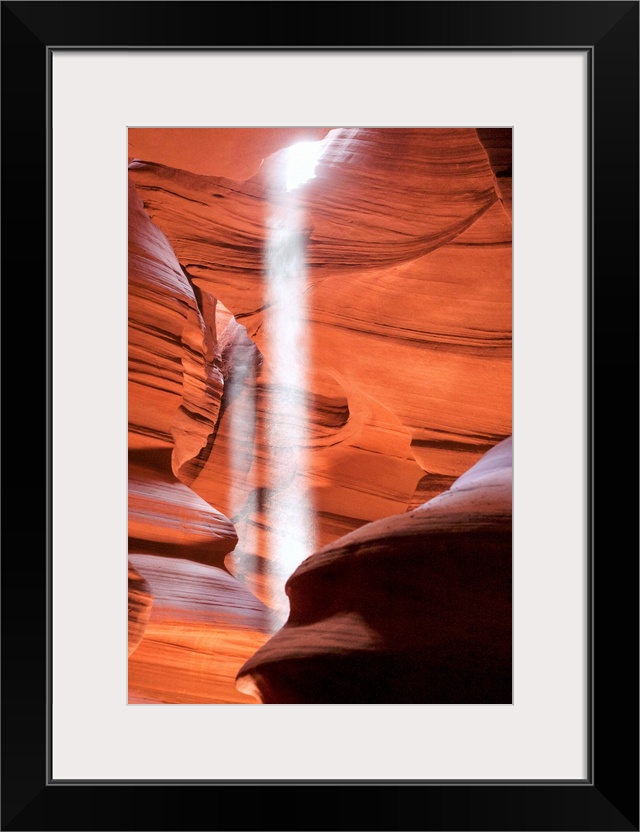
column 320, row 415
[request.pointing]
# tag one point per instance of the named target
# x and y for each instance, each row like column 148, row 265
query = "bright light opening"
column 301, row 161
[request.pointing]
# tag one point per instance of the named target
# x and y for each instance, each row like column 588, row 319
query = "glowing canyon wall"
column 319, row 415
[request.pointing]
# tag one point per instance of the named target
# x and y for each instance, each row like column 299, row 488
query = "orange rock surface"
column 202, row 624
column 303, row 362
column 413, row 609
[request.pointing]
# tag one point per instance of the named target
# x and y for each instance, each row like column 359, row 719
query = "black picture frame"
column 608, row 798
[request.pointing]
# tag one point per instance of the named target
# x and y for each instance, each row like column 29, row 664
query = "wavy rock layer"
column 379, row 197
column 497, row 143
column 415, row 608
column 407, row 314
column 167, row 517
column 202, row 626
column 401, row 290
column 175, row 387
column 191, row 625
column 140, row 603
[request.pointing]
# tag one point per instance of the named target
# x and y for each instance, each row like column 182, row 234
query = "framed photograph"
column 334, row 358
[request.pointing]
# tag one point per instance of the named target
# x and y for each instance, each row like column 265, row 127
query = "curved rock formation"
column 497, row 143
column 380, row 202
column 175, row 387
column 167, row 517
column 415, row 608
column 379, row 197
column 179, row 650
column 140, row 603
column 202, row 626
column 304, row 361
column 408, row 316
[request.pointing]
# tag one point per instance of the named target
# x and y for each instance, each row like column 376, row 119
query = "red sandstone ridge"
column 203, row 625
column 179, row 650
column 175, row 385
column 414, row 608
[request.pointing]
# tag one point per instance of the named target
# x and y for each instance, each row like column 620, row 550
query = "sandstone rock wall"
column 398, row 285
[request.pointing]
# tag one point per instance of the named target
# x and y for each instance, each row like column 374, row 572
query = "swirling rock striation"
column 407, row 249
column 203, row 625
column 406, row 241
column 191, row 624
column 497, row 142
column 140, row 603
column 175, row 385
column 414, row 608
column 167, row 517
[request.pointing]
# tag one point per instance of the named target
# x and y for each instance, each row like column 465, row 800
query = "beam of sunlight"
column 300, row 163
column 242, row 433
column 275, row 518
column 289, row 510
